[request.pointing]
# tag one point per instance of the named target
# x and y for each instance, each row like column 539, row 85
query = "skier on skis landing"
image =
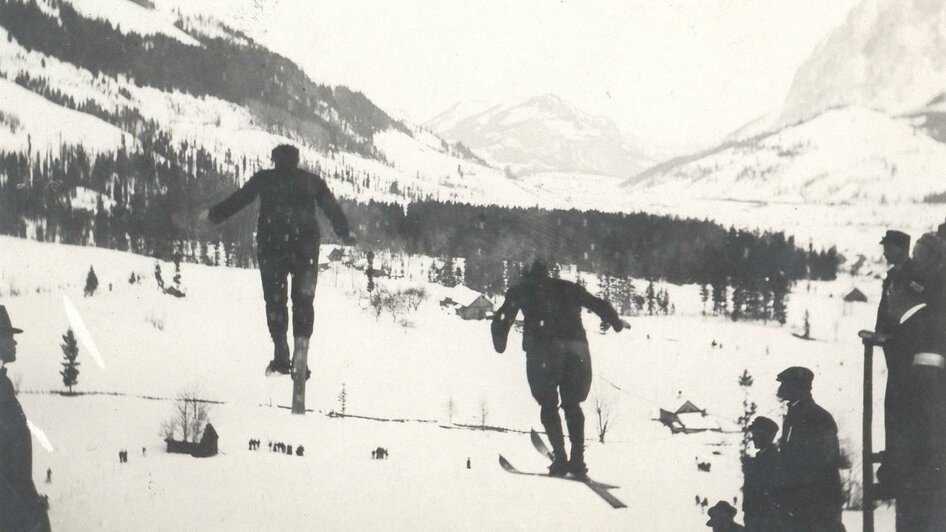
column 557, row 357
column 287, row 242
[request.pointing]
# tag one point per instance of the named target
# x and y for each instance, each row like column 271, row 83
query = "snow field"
column 215, row 338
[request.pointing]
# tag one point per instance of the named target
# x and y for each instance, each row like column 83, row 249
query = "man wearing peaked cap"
column 721, row 518
column 796, row 375
column 810, row 456
column 21, row 508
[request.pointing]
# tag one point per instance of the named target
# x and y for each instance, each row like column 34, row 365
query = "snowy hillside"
column 71, row 100
column 152, row 345
column 841, row 156
column 541, row 134
column 888, row 55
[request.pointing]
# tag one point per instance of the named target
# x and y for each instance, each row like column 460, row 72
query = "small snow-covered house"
column 671, row 421
column 467, row 303
column 688, row 419
column 855, row 296
column 689, row 408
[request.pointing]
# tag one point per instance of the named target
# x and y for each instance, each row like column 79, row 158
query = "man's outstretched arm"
column 235, row 202
column 502, row 322
column 603, row 309
column 333, row 210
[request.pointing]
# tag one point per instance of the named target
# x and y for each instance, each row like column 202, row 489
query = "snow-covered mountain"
column 888, row 55
column 541, row 134
column 844, row 155
column 863, row 122
column 123, row 70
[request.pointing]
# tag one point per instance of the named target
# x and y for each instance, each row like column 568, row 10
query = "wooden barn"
column 468, row 304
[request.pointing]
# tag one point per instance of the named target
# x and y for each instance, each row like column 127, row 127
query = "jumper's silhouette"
column 558, row 362
column 287, row 242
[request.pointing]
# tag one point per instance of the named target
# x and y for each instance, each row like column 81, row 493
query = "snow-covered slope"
column 153, row 345
column 888, row 55
column 844, row 155
column 29, row 122
column 417, row 165
column 542, row 134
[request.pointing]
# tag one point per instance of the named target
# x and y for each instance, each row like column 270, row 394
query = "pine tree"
column 738, row 302
column 177, row 273
column 749, row 409
column 343, row 400
column 663, row 301
column 370, row 271
column 70, row 367
column 704, row 296
column 604, row 287
column 91, row 282
column 651, row 298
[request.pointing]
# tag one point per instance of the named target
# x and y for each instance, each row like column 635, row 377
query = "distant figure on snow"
column 557, row 358
column 721, row 517
column 468, row 463
column 21, row 507
column 810, row 455
column 287, row 244
column 49, row 475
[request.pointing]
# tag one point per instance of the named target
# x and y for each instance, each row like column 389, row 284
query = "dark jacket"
column 810, row 456
column 552, row 311
column 910, row 337
column 287, row 214
column 887, row 321
column 921, row 448
column 762, row 476
column 21, row 508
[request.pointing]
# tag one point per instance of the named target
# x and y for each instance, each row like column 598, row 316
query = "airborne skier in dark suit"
column 557, row 357
column 287, row 241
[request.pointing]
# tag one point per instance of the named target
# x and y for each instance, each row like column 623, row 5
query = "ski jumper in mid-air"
column 287, row 244
column 558, row 362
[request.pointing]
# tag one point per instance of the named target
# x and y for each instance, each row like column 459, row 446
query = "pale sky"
column 678, row 73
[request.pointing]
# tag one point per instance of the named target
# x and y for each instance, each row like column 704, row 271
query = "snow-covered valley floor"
column 152, row 345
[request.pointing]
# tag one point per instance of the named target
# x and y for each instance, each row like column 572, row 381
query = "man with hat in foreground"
column 762, row 474
column 21, row 507
column 287, row 244
column 721, row 518
column 811, row 494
